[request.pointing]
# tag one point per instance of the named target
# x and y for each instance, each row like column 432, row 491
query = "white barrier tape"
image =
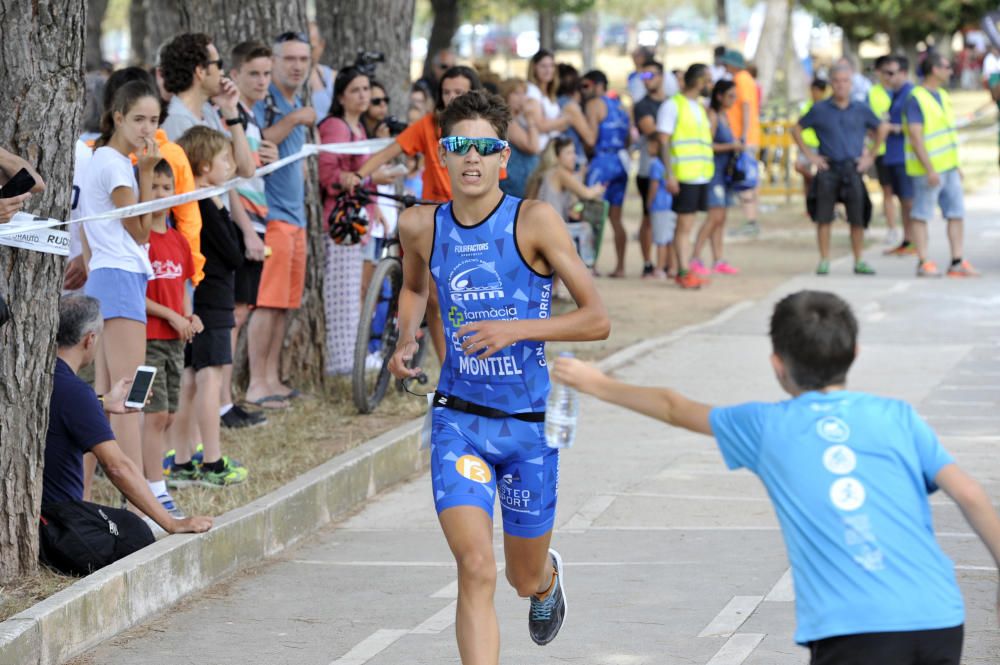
column 23, row 232
column 367, row 147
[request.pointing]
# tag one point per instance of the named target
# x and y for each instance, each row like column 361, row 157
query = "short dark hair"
column 78, row 315
column 344, row 78
column 815, row 334
column 882, row 61
column 819, row 83
column 163, row 168
column 247, row 51
column 473, row 105
column 693, row 73
column 180, row 56
column 655, row 64
column 597, row 77
column 458, row 71
column 931, row 60
column 903, row 62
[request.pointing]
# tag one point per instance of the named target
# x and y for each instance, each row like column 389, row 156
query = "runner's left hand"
column 484, row 338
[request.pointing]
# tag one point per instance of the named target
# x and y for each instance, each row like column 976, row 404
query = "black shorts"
column 882, row 171
column 916, row 647
column 691, row 198
column 212, row 347
column 840, row 185
column 247, row 280
column 642, row 183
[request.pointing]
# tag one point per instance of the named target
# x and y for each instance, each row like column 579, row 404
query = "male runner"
column 493, row 258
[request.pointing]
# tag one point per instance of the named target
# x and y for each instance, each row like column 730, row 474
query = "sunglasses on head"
column 646, row 76
column 484, row 146
column 379, row 101
column 292, row 37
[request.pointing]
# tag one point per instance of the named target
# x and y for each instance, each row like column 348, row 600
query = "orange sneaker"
column 905, row 249
column 963, row 269
column 689, row 280
column 927, row 268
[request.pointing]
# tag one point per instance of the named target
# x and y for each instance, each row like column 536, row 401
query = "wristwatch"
column 231, row 122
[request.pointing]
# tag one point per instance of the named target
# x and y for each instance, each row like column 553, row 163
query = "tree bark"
column 546, row 28
column 378, row 25
column 138, row 32
column 773, row 44
column 95, row 16
column 588, row 42
column 722, row 19
column 41, row 59
column 443, row 29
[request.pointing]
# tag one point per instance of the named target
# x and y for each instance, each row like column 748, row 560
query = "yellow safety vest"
column 691, row 144
column 808, row 135
column 940, row 136
column 879, row 101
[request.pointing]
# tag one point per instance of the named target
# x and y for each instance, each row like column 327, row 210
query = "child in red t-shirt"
column 170, row 324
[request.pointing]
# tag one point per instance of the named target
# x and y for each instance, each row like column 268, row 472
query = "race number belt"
column 442, row 400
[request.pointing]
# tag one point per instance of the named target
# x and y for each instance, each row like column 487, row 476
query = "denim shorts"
column 664, row 223
column 719, row 196
column 122, row 293
column 948, row 195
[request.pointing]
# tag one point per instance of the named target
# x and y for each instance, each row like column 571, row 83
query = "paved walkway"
column 670, row 558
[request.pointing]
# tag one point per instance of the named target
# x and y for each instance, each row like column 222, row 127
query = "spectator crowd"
column 175, row 289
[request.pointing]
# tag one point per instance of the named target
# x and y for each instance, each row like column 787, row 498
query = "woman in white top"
column 542, row 86
column 119, row 261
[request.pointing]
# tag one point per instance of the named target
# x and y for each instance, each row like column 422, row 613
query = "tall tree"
column 95, row 16
column 447, row 14
column 46, row 65
column 378, row 25
column 138, row 32
column 773, row 44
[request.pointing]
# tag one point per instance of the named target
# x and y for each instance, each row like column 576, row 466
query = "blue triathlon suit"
column 481, row 276
column 606, row 166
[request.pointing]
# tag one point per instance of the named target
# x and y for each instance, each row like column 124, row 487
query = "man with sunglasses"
column 880, row 101
column 932, row 161
column 894, row 160
column 493, row 257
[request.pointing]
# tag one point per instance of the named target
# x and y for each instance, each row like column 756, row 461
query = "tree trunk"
column 138, row 32
column 95, row 16
column 41, row 59
column 443, row 29
column 546, row 28
column 379, row 25
column 588, row 43
column 773, row 44
column 722, row 19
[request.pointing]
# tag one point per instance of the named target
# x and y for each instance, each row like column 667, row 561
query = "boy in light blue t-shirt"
column 659, row 203
column 849, row 475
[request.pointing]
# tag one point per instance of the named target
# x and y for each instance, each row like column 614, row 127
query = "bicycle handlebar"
column 408, row 200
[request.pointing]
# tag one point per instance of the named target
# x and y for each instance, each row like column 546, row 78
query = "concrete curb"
column 115, row 598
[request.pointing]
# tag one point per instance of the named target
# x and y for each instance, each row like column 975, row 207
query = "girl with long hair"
column 119, row 261
column 543, row 84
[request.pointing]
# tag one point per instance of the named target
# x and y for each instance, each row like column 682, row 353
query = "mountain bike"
column 378, row 327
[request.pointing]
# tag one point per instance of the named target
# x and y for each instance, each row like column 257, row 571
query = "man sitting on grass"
column 849, row 475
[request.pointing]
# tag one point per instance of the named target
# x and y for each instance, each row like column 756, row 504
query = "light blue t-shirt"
column 286, row 187
column 662, row 199
column 849, row 475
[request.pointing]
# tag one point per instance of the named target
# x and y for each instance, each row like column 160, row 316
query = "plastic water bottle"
column 561, row 411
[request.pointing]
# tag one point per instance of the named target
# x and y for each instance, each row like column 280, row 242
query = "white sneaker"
column 373, row 361
column 892, row 238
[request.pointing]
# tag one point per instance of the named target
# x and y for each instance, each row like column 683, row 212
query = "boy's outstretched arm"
column 661, row 403
column 976, row 507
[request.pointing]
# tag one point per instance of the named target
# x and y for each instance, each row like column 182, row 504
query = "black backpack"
column 77, row 537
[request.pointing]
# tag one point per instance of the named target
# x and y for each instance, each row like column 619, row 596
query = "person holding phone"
column 119, row 262
column 78, row 424
column 12, row 166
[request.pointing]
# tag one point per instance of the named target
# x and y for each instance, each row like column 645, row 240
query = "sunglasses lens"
column 460, row 145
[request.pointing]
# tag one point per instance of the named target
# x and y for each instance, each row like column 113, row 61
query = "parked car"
column 614, row 35
column 568, row 34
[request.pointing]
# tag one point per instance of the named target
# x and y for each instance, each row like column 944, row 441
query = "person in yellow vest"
column 842, row 125
column 686, row 151
column 879, row 101
column 818, row 91
column 931, row 151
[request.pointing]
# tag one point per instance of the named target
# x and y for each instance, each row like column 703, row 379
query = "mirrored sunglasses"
column 484, row 146
column 646, row 76
column 292, row 36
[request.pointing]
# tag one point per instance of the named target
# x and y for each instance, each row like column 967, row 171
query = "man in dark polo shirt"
column 78, row 424
column 842, row 125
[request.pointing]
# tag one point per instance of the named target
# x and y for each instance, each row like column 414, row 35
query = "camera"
column 395, row 125
column 366, row 61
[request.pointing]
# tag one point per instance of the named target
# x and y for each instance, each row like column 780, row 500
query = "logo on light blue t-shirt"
column 833, row 429
column 840, row 460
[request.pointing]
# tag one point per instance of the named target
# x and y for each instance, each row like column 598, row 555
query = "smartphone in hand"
column 21, row 183
column 141, row 385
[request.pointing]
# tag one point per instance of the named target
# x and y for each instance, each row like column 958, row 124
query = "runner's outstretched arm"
column 416, row 230
column 661, row 403
column 545, row 246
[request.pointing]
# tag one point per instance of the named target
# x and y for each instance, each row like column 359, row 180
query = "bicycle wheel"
column 377, row 335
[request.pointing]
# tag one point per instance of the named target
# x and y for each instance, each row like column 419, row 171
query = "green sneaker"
column 231, row 474
column 182, row 477
column 862, row 268
column 823, row 268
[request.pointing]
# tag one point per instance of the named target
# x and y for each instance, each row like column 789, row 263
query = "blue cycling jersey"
column 612, row 133
column 481, row 276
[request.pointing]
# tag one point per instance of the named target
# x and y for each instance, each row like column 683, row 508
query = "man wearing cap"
column 744, row 120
